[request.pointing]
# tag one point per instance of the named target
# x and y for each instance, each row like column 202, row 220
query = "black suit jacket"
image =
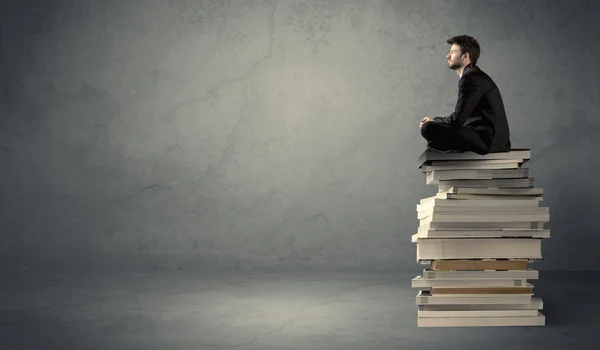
column 480, row 107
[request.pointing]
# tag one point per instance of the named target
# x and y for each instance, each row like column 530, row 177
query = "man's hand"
column 425, row 120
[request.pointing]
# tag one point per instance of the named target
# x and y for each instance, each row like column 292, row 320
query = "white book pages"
column 473, row 165
column 524, row 191
column 483, row 218
column 420, row 282
column 479, row 248
column 424, row 298
column 516, row 321
column 534, row 304
column 435, row 176
column 514, row 154
column 434, row 201
column 477, row 313
column 529, row 274
column 480, row 234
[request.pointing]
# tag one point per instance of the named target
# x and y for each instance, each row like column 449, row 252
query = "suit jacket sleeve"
column 468, row 97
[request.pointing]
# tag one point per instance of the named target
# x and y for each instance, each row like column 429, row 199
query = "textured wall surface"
column 176, row 134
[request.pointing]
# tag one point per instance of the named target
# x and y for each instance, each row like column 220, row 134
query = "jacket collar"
column 469, row 67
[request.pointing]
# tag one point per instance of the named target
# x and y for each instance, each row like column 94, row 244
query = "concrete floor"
column 255, row 310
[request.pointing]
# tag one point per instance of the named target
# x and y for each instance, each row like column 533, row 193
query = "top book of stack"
column 523, row 154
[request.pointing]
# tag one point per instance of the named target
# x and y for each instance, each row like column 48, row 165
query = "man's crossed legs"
column 447, row 138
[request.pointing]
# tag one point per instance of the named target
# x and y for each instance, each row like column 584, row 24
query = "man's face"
column 455, row 58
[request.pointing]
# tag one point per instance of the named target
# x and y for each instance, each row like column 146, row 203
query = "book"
column 514, row 154
column 478, row 234
column 466, row 266
column 479, row 248
column 488, row 321
column 435, row 176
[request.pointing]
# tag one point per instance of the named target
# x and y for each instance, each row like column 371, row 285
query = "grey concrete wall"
column 177, row 134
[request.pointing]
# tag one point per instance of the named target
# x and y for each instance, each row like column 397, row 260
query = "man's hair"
column 467, row 44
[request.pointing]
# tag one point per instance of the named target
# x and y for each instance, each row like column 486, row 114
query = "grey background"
column 262, row 134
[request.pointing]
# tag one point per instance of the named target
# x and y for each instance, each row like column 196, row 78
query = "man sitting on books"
column 478, row 123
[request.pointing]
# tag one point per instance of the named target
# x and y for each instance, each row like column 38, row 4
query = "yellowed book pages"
column 482, row 290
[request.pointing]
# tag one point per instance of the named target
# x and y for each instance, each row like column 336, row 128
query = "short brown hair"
column 467, row 44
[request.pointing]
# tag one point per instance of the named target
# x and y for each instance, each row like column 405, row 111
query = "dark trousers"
column 445, row 137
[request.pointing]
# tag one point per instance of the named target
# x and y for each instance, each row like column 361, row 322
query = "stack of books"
column 477, row 235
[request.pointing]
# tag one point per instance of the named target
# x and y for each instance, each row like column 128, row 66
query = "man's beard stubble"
column 454, row 65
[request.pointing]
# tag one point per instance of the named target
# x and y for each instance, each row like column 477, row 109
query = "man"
column 478, row 123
